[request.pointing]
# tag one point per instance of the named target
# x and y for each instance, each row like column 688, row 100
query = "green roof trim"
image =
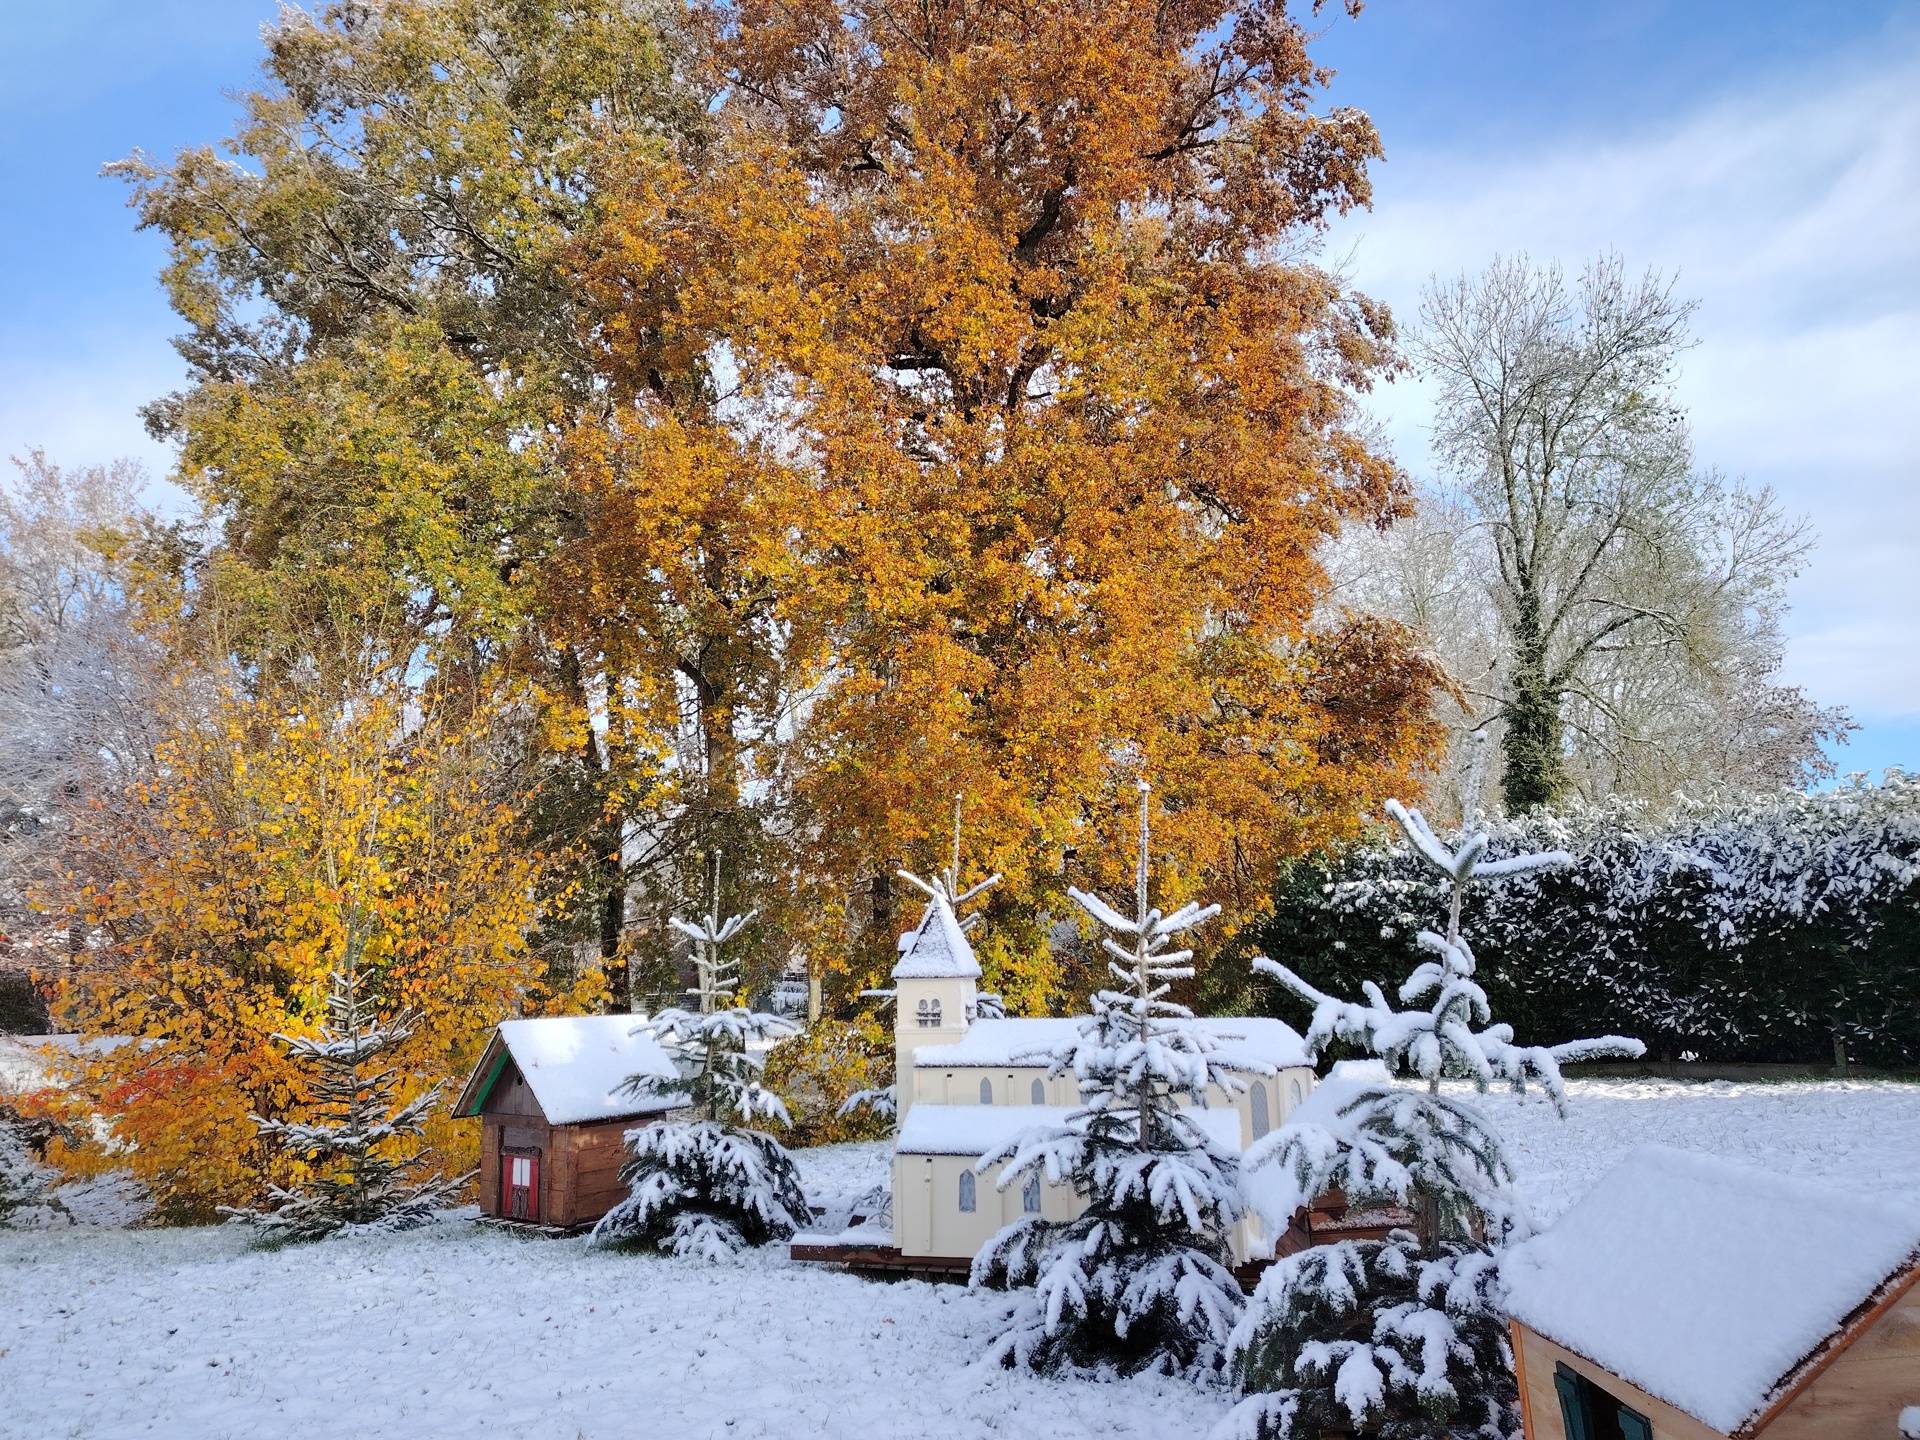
column 486, row 1086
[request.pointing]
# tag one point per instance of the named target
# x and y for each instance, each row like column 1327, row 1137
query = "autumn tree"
column 226, row 885
column 383, row 343
column 999, row 423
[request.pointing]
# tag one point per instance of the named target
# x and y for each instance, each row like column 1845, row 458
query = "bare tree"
column 1635, row 602
column 72, row 669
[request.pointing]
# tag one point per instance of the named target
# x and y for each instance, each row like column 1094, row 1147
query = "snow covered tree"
column 1401, row 1337
column 712, row 1185
column 1140, row 1279
column 25, row 1184
column 359, row 1183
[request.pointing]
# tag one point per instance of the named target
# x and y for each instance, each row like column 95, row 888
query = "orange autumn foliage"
column 979, row 422
column 223, row 885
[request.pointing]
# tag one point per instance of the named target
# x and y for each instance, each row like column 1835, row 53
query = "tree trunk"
column 1535, row 773
column 613, row 919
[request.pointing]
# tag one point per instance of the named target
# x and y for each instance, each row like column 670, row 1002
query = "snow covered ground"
column 462, row 1330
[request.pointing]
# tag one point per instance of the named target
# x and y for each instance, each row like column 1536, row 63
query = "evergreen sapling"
column 359, row 1183
column 1140, row 1280
column 713, row 1185
column 1402, row 1338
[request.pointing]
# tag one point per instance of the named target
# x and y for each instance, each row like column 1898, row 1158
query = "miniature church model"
column 967, row 1082
column 1688, row 1298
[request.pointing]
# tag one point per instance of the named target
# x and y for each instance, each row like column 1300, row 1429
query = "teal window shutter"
column 1634, row 1425
column 1573, row 1404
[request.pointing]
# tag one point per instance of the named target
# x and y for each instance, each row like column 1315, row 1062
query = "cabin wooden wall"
column 587, row 1161
column 1859, row 1395
column 1537, row 1357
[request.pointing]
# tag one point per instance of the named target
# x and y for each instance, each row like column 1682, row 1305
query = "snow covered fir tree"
column 711, row 1185
column 359, row 1181
column 1400, row 1338
column 1140, row 1278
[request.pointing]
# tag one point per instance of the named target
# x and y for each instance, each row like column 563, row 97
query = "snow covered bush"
column 359, row 1183
column 1402, row 1337
column 1140, row 1279
column 25, row 1184
column 713, row 1185
column 1416, row 1345
column 1763, row 929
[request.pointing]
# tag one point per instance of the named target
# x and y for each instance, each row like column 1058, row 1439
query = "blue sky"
column 1768, row 152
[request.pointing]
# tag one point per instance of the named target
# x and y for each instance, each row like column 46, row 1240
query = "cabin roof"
column 936, row 948
column 972, row 1130
column 574, row 1064
column 1703, row 1282
column 1249, row 1042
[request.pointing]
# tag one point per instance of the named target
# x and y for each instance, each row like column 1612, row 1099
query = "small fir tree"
column 1140, row 1280
column 25, row 1184
column 359, row 1181
column 713, row 1185
column 1401, row 1338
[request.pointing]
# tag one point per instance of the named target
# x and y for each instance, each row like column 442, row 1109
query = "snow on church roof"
column 1248, row 1041
column 936, row 948
column 1703, row 1282
column 973, row 1130
column 574, row 1064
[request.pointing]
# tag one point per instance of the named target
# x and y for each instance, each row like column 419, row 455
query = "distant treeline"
column 1767, row 930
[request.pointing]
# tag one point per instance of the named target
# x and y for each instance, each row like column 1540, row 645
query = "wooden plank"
column 1537, row 1356
column 1855, row 1388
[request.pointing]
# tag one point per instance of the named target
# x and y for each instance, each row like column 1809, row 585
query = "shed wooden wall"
column 579, row 1164
column 1537, row 1357
column 1860, row 1394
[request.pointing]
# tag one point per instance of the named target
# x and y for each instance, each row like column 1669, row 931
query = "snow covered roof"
column 936, row 948
column 1250, row 1041
column 573, row 1064
column 1703, row 1282
column 931, row 1129
column 1346, row 1080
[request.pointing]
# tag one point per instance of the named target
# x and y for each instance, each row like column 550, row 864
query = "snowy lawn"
column 465, row 1330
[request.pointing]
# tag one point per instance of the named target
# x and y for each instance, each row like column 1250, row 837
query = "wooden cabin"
column 1688, row 1298
column 553, row 1117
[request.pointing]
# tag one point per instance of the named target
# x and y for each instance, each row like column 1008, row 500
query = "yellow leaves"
column 233, row 888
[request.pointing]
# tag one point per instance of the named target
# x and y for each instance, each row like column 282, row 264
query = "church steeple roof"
column 936, row 948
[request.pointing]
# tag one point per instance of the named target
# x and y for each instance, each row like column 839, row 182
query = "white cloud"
column 1793, row 216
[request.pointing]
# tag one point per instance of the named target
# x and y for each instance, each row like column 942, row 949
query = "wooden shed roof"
column 575, row 1066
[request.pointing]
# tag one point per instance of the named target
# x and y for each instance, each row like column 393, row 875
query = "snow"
column 186, row 1335
column 1910, row 1423
column 971, row 1129
column 1251, row 1042
column 576, row 1063
column 1702, row 1281
column 936, row 948
column 976, row 1129
column 110, row 1333
column 1346, row 1081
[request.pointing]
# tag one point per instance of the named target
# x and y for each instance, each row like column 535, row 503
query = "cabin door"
column 520, row 1184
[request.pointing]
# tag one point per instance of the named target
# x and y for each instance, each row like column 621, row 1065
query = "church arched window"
column 1258, row 1097
column 927, row 1013
column 968, row 1196
column 1039, row 1093
column 1030, row 1195
column 986, row 1092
